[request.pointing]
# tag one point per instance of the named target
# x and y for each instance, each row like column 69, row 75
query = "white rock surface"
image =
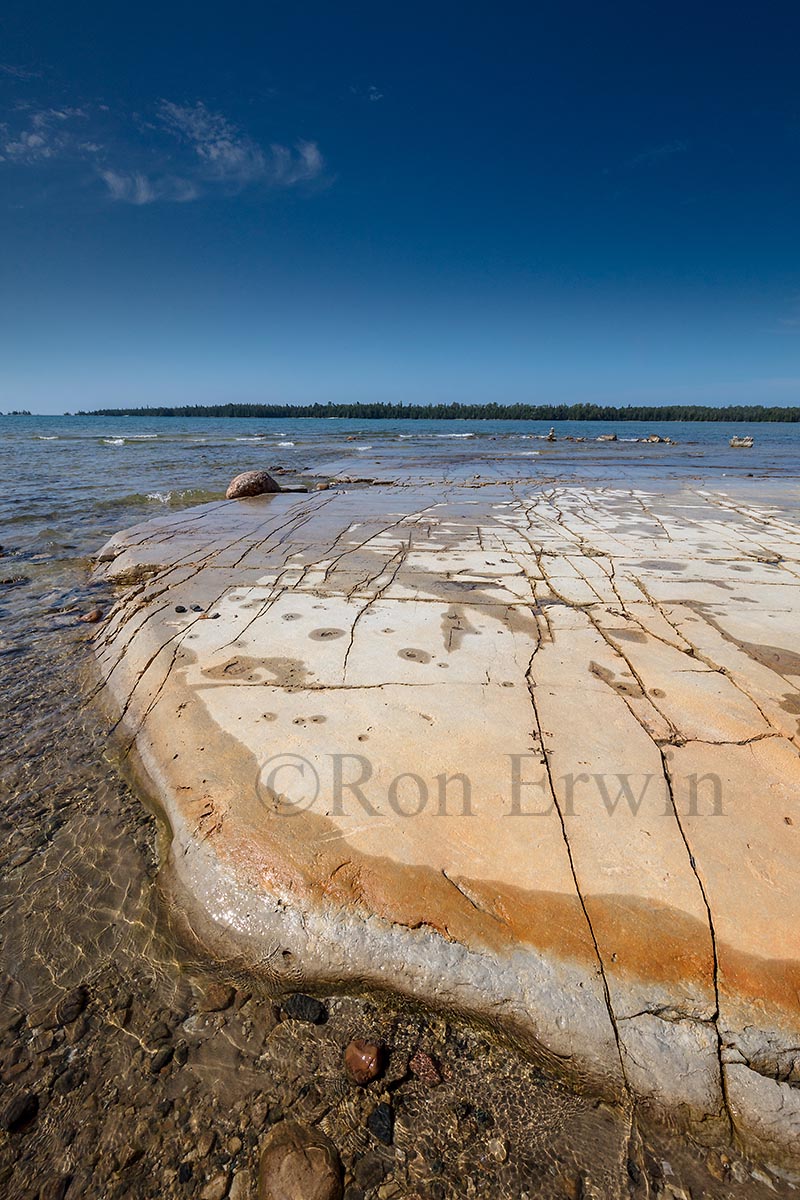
column 527, row 754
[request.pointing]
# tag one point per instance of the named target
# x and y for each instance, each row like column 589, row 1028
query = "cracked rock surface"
column 526, row 753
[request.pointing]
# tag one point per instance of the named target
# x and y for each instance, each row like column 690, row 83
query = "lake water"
column 66, row 483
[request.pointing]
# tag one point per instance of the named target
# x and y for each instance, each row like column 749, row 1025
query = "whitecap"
column 285, row 444
column 163, row 497
column 113, row 441
column 362, row 447
column 454, row 435
column 46, row 437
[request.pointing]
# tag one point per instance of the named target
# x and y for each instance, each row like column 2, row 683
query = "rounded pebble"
column 363, row 1061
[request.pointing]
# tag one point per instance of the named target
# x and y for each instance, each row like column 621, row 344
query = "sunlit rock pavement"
column 527, row 754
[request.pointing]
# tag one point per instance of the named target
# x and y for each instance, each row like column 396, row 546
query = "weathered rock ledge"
column 529, row 754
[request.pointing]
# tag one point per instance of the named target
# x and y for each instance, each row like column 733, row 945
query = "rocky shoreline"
column 132, row 1067
column 621, row 951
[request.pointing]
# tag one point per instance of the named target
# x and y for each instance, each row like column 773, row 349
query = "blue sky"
column 204, row 203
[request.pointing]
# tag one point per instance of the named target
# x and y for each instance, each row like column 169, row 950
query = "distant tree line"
column 469, row 412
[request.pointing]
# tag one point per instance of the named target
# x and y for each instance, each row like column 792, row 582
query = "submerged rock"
column 91, row 618
column 305, row 1008
column 251, row 483
column 70, row 1006
column 363, row 1061
column 380, row 1123
column 423, row 1066
column 298, row 1163
column 19, row 1111
column 216, row 997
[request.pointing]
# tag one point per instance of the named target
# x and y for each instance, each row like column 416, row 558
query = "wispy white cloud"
column 790, row 323
column 223, row 152
column 658, row 153
column 226, row 155
column 47, row 133
column 301, row 165
column 182, row 153
column 371, row 93
column 134, row 187
column 15, row 72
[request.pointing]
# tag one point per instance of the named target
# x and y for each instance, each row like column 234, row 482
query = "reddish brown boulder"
column 251, row 483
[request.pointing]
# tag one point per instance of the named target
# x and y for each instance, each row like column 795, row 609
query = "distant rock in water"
column 251, row 483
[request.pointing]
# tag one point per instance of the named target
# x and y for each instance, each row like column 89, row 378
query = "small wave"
column 362, row 447
column 140, row 437
column 180, row 497
column 285, row 445
column 251, row 437
column 454, row 435
column 113, row 441
column 46, row 437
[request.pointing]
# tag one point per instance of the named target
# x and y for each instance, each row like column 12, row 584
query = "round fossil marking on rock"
column 414, row 655
column 324, row 635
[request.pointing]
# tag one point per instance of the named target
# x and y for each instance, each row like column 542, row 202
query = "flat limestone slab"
column 525, row 753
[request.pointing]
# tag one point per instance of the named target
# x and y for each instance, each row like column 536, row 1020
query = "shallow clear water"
column 79, row 902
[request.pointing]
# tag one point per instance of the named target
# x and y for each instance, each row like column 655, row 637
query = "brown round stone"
column 363, row 1061
column 298, row 1163
column 251, row 483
